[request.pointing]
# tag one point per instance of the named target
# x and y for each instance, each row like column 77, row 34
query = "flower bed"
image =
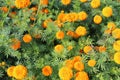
column 59, row 40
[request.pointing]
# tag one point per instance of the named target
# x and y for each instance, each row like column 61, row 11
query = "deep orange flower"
column 45, row 23
column 15, row 44
column 69, row 63
column 79, row 66
column 60, row 35
column 44, row 2
column 4, row 9
column 22, row 3
column 77, row 59
column 82, row 76
column 27, row 38
column 47, row 70
column 102, row 48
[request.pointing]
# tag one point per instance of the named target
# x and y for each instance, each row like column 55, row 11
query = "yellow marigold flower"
column 65, row 73
column 91, row 63
column 83, row 0
column 82, row 76
column 60, row 35
column 27, row 38
column 107, row 11
column 59, row 48
column 77, row 59
column 22, row 3
column 81, row 31
column 97, row 19
column 117, row 57
column 70, row 47
column 116, row 33
column 87, row 49
column 102, row 49
column 79, row 66
column 3, row 63
column 116, row 45
column 66, row 2
column 69, row 63
column 82, row 15
column 95, row 3
column 10, row 71
column 47, row 70
column 111, row 25
column 44, row 2
column 20, row 72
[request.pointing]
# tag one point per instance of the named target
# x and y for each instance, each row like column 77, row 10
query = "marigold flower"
column 71, row 17
column 65, row 2
column 59, row 48
column 116, row 33
column 27, row 38
column 91, row 63
column 87, row 49
column 22, row 3
column 82, row 15
column 59, row 23
column 47, row 70
column 83, row 0
column 107, row 31
column 81, row 31
column 82, row 76
column 102, row 49
column 77, row 59
column 44, row 2
column 69, row 63
column 116, row 45
column 97, row 19
column 70, row 47
column 107, row 11
column 95, row 3
column 20, row 72
column 60, row 35
column 45, row 23
column 3, row 63
column 65, row 73
column 15, row 44
column 117, row 57
column 4, row 9
column 111, row 25
column 79, row 66
column 45, row 10
column 10, row 71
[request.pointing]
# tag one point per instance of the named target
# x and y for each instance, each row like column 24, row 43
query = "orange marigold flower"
column 59, row 23
column 60, row 35
column 111, row 25
column 102, row 49
column 20, row 72
column 83, row 0
column 4, row 9
column 71, row 17
column 79, row 66
column 116, row 33
column 81, row 31
column 47, row 70
column 27, row 38
column 107, row 11
column 97, row 19
column 44, row 2
column 45, row 10
column 95, row 3
column 59, row 48
column 87, row 49
column 65, row 73
column 10, row 71
column 82, row 15
column 117, row 57
column 69, row 63
column 45, row 23
column 62, row 16
column 82, row 76
column 15, row 44
column 77, row 59
column 107, row 31
column 22, row 3
column 116, row 45
column 91, row 63
column 66, row 2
